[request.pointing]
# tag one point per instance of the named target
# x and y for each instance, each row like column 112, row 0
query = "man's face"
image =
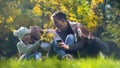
column 61, row 24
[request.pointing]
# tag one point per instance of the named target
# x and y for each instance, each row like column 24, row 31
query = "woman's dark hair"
column 59, row 15
column 35, row 32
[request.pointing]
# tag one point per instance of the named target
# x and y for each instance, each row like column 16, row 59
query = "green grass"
column 54, row 63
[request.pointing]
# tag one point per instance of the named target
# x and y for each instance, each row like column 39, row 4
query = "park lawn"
column 54, row 63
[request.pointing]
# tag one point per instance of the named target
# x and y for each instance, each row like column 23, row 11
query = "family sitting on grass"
column 70, row 40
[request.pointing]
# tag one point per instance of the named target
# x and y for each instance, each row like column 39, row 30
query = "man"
column 80, row 43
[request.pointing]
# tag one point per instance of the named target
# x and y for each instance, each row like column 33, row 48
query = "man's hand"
column 63, row 45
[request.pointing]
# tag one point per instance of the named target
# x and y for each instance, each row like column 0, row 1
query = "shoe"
column 67, row 57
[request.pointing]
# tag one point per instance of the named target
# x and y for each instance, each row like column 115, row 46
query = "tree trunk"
column 101, row 28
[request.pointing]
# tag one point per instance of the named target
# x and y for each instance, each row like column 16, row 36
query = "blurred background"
column 102, row 17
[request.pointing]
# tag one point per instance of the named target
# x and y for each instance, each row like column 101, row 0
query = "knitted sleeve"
column 26, row 49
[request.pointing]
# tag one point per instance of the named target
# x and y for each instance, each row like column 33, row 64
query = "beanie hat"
column 20, row 33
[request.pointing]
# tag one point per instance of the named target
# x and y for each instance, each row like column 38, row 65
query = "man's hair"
column 59, row 15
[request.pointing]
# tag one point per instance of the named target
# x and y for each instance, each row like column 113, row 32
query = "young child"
column 27, row 45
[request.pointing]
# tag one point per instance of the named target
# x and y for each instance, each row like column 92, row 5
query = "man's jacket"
column 82, row 36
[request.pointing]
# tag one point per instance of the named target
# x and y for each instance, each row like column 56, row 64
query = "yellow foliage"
column 31, row 1
column 79, row 10
column 72, row 15
column 91, row 25
column 92, row 21
column 55, row 2
column 91, row 16
column 47, row 37
column 95, row 2
column 63, row 8
column 0, row 21
column 12, row 29
column 48, row 25
column 10, row 19
column 45, row 26
column 38, row 1
column 72, row 18
column 101, row 1
column 36, row 10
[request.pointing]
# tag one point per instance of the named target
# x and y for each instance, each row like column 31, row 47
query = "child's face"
column 27, row 39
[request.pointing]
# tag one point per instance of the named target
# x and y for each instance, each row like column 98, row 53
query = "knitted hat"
column 21, row 32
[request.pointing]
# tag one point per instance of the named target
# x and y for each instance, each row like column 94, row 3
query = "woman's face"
column 61, row 24
column 27, row 39
column 36, row 32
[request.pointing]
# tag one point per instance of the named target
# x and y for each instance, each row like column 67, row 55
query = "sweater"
column 30, row 48
column 27, row 48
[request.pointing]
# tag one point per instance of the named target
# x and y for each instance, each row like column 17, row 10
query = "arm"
column 45, row 46
column 83, row 32
column 73, row 47
column 22, row 48
column 76, row 46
